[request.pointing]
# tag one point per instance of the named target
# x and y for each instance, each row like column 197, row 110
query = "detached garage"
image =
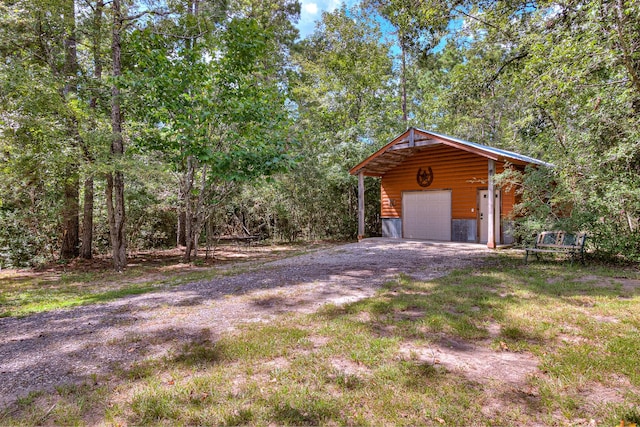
column 436, row 187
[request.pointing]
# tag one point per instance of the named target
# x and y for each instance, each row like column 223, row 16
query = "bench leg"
column 578, row 255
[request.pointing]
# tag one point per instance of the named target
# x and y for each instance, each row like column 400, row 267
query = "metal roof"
column 414, row 140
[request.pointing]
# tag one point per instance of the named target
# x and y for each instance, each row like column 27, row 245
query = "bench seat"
column 558, row 242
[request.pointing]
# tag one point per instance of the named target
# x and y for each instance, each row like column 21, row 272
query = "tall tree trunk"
column 189, row 226
column 87, row 220
column 86, row 251
column 116, row 215
column 404, row 79
column 181, row 238
column 115, row 179
column 70, row 222
column 191, row 209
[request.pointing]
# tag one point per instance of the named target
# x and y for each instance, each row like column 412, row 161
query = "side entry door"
column 484, row 217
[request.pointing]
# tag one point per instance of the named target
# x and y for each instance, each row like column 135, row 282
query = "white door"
column 484, row 217
column 426, row 215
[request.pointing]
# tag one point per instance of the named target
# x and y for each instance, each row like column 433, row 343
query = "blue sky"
column 311, row 11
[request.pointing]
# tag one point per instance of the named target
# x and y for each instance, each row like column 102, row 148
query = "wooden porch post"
column 491, row 229
column 360, row 205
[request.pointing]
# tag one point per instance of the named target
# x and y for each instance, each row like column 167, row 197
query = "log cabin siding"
column 461, row 172
column 508, row 199
column 460, row 168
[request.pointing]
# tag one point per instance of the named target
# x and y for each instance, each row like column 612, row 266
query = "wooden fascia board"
column 474, row 150
column 459, row 146
column 401, row 145
column 354, row 170
column 414, row 137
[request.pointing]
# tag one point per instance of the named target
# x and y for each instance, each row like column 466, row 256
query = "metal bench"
column 559, row 242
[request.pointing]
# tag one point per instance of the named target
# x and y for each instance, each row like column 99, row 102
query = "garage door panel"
column 427, row 215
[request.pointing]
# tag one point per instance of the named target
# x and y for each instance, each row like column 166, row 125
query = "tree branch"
column 475, row 18
column 503, row 66
column 180, row 37
column 627, row 53
column 141, row 14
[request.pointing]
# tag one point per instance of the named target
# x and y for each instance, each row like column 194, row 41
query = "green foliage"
column 19, row 248
column 544, row 203
column 219, row 98
column 559, row 83
column 151, row 213
column 209, row 97
column 33, row 153
column 344, row 110
column 46, row 133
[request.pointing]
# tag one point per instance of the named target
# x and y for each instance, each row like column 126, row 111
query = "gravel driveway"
column 42, row 351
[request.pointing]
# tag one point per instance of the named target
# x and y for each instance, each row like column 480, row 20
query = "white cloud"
column 310, row 8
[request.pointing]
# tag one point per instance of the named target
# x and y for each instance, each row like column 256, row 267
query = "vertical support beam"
column 360, row 205
column 491, row 226
column 412, row 138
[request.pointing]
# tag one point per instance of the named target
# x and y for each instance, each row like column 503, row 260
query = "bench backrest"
column 561, row 239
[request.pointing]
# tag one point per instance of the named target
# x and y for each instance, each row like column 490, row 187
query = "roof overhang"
column 414, row 140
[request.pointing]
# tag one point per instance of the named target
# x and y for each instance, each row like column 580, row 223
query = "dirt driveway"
column 42, row 351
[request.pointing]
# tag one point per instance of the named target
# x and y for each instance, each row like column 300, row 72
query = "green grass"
column 32, row 296
column 348, row 365
column 39, row 300
column 26, row 294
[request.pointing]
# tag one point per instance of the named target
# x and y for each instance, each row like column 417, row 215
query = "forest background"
column 135, row 124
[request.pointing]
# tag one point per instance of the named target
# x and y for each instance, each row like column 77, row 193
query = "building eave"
column 414, row 140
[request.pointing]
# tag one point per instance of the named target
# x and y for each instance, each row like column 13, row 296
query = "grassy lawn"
column 21, row 295
column 27, row 292
column 418, row 353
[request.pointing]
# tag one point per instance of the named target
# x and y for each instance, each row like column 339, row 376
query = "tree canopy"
column 132, row 124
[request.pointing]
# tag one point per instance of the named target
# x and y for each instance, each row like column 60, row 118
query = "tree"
column 343, row 107
column 41, row 41
column 419, row 25
column 70, row 228
column 95, row 22
column 218, row 112
column 115, row 179
column 555, row 81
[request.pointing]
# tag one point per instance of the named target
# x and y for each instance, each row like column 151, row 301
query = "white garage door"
column 426, row 215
